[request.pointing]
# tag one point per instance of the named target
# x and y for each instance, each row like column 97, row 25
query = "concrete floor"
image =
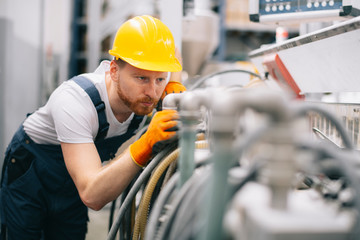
column 98, row 224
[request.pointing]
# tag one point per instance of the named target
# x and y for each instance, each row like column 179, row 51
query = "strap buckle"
column 100, row 106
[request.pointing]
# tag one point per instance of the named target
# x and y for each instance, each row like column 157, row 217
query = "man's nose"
column 151, row 89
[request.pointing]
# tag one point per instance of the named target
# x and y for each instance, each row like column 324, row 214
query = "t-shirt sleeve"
column 74, row 116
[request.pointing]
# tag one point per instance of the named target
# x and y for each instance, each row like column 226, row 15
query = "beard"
column 136, row 105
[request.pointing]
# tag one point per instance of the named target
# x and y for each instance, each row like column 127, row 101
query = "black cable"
column 125, row 230
column 203, row 79
column 112, row 211
column 143, row 176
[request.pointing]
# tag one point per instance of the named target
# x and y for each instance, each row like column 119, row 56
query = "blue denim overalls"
column 39, row 200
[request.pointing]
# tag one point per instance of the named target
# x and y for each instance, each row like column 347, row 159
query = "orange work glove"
column 141, row 149
column 173, row 87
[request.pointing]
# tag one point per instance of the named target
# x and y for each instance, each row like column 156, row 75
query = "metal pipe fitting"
column 225, row 113
column 190, row 105
column 171, row 101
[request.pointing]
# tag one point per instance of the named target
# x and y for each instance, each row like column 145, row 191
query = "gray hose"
column 189, row 212
column 189, row 190
column 132, row 193
column 162, row 199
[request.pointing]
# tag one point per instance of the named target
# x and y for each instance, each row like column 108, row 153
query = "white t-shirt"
column 70, row 116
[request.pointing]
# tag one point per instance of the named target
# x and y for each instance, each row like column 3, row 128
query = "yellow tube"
column 143, row 207
column 169, row 173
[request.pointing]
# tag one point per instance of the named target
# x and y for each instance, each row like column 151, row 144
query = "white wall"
column 28, row 29
column 20, row 61
column 57, row 25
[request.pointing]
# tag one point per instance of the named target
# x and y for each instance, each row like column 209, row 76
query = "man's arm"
column 97, row 184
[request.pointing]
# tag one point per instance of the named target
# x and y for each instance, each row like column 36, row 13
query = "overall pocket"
column 18, row 163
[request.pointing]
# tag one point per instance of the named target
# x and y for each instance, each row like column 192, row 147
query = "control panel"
column 288, row 10
column 282, row 6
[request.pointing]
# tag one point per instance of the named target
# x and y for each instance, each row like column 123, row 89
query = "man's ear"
column 114, row 69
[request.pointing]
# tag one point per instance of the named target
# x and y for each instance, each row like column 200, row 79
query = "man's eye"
column 141, row 78
column 161, row 79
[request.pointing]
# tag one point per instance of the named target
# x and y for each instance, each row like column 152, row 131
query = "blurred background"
column 46, row 42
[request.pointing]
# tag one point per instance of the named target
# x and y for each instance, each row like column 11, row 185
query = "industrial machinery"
column 247, row 167
column 266, row 160
column 287, row 11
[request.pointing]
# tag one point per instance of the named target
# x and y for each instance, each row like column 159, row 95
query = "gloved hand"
column 161, row 145
column 158, row 130
column 173, row 87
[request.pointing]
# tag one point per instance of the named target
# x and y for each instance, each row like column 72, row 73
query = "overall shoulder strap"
column 135, row 123
column 94, row 95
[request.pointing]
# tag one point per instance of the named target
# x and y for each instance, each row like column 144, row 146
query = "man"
column 53, row 166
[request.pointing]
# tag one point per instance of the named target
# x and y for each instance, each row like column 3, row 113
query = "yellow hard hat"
column 147, row 43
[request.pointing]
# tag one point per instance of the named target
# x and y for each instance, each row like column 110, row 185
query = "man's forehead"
column 143, row 72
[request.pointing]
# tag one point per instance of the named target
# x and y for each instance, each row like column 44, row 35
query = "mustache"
column 148, row 99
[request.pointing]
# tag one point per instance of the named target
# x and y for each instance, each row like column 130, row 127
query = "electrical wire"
column 203, row 79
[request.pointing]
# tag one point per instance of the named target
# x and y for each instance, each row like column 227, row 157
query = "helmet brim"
column 153, row 65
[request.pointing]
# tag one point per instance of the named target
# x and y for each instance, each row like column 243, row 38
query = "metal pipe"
column 221, row 137
column 171, row 101
column 190, row 115
column 225, row 112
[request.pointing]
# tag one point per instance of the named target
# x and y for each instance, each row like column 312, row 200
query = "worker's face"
column 139, row 89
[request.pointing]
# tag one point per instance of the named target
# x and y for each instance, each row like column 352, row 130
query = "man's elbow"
column 92, row 202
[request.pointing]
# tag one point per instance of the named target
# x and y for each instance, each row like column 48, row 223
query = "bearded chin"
column 136, row 106
column 140, row 110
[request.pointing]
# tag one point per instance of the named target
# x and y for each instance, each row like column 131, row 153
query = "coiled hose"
column 142, row 214
column 187, row 198
column 138, row 183
column 145, row 200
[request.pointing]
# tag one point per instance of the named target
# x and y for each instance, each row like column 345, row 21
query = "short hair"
column 121, row 63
